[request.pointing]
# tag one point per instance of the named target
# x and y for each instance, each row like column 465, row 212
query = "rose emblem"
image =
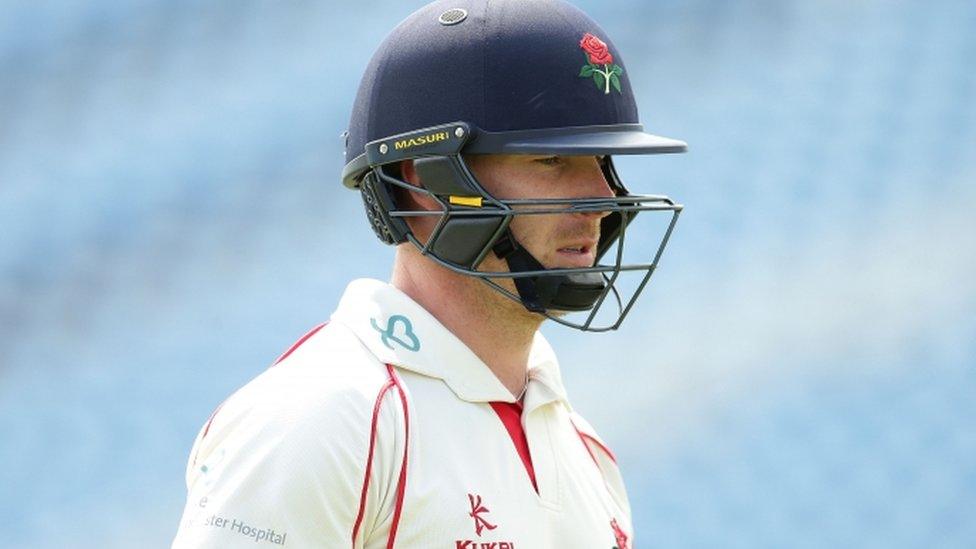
column 597, row 54
column 596, row 49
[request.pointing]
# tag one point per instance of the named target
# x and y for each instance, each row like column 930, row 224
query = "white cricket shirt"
column 382, row 429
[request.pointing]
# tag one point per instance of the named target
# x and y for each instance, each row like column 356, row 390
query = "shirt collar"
column 400, row 332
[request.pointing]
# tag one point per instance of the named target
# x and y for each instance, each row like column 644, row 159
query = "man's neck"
column 500, row 332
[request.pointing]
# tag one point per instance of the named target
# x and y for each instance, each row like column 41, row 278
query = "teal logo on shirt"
column 399, row 330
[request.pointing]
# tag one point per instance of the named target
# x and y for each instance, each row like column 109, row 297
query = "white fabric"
column 284, row 458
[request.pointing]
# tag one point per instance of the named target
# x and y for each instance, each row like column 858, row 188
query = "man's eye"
column 550, row 161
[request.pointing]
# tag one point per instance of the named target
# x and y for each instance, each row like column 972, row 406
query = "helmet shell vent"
column 452, row 16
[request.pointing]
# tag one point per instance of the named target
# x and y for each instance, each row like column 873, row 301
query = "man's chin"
column 557, row 313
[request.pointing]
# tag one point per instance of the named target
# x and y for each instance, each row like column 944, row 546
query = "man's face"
column 556, row 240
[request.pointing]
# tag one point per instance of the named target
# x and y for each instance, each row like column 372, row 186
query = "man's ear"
column 408, row 173
column 415, row 200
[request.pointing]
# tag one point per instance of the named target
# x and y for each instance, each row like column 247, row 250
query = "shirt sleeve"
column 284, row 463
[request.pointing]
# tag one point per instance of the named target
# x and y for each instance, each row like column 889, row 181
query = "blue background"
column 800, row 372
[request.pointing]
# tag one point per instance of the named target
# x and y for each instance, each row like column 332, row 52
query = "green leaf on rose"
column 615, row 80
column 586, row 71
column 600, row 79
column 618, row 70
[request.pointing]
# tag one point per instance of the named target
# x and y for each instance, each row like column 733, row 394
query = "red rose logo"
column 596, row 49
column 597, row 54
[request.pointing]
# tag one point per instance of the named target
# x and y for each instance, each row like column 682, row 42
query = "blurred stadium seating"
column 171, row 219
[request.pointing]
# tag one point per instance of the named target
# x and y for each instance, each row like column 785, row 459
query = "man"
column 429, row 412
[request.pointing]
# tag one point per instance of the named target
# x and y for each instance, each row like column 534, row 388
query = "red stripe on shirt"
column 511, row 415
column 402, row 482
column 585, row 437
column 394, row 381
column 369, row 459
column 213, row 414
column 298, row 343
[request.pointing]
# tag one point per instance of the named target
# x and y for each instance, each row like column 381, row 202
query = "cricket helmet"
column 534, row 77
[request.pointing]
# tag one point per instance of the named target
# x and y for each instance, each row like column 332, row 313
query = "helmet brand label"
column 421, row 140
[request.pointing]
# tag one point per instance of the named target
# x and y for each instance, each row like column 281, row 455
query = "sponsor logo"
column 478, row 510
column 619, row 534
column 421, row 140
column 241, row 528
column 209, row 467
column 399, row 330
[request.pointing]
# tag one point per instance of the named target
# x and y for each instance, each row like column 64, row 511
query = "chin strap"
column 543, row 293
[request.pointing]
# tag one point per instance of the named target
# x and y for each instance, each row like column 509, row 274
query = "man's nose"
column 592, row 183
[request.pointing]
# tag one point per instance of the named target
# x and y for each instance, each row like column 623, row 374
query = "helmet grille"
column 452, row 16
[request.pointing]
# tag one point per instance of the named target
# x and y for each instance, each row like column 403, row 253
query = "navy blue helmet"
column 537, row 77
